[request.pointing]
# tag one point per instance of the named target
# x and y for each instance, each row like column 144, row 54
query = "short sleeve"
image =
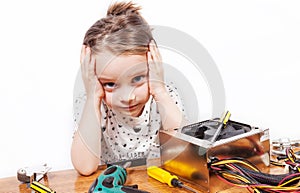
column 78, row 105
column 174, row 94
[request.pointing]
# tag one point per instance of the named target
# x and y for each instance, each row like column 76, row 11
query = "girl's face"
column 124, row 79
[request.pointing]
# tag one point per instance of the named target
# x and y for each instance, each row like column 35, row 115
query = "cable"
column 242, row 173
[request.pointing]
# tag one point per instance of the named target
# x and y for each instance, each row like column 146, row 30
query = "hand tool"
column 165, row 177
column 112, row 180
column 33, row 173
column 223, row 121
column 38, row 187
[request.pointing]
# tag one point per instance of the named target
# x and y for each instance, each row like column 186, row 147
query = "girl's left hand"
column 156, row 71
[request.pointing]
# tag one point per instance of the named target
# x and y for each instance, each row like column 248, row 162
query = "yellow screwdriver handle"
column 161, row 175
column 38, row 187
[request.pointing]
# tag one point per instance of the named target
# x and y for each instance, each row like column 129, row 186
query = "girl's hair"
column 122, row 31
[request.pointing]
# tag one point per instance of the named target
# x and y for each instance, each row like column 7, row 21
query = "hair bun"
column 122, row 8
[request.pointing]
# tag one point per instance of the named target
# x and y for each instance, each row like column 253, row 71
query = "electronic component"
column 208, row 130
column 194, row 147
column 280, row 146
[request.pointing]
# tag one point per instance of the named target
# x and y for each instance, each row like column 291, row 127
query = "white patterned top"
column 125, row 137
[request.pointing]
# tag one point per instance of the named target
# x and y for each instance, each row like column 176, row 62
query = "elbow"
column 83, row 161
column 86, row 170
column 84, row 165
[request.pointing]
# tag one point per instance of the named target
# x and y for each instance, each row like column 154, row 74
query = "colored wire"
column 242, row 173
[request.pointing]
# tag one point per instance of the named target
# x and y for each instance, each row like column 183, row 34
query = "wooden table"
column 69, row 181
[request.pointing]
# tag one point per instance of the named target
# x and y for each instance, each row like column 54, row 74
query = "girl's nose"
column 127, row 96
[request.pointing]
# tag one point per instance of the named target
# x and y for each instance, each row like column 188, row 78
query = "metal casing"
column 188, row 157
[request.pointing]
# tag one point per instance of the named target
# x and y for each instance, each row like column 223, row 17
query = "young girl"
column 126, row 101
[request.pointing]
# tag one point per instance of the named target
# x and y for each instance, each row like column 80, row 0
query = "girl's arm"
column 85, row 150
column 171, row 116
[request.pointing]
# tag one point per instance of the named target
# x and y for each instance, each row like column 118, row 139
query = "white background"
column 255, row 44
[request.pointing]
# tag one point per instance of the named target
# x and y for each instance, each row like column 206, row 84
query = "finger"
column 82, row 55
column 157, row 66
column 151, row 51
column 150, row 65
column 155, row 48
column 154, row 64
column 93, row 66
column 150, row 59
column 155, row 53
column 86, row 61
column 153, row 67
column 90, row 63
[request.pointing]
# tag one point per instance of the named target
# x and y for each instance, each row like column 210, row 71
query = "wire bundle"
column 240, row 172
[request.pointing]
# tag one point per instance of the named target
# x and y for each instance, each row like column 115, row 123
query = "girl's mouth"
column 132, row 107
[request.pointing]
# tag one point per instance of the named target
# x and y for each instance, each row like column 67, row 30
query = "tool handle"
column 165, row 177
column 223, row 121
column 110, row 179
column 38, row 187
column 161, row 175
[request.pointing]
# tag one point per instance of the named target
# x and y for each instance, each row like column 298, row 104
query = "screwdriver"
column 38, row 187
column 165, row 177
column 223, row 121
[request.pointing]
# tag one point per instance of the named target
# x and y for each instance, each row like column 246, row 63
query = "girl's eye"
column 109, row 85
column 138, row 79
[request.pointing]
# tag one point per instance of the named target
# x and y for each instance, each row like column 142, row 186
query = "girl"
column 126, row 101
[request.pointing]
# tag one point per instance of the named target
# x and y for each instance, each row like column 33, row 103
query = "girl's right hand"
column 93, row 87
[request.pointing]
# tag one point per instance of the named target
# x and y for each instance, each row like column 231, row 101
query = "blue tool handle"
column 112, row 180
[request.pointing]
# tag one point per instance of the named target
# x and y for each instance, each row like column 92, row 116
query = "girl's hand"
column 156, row 71
column 93, row 88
